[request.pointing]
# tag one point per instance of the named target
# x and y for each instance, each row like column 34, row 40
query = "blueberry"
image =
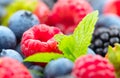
column 90, row 51
column 11, row 53
column 7, row 38
column 59, row 67
column 36, row 71
column 27, row 64
column 21, row 21
column 108, row 21
column 5, row 2
column 17, row 48
column 98, row 5
column 66, row 76
column 2, row 11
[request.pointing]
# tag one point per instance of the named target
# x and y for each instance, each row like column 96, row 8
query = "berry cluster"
column 28, row 30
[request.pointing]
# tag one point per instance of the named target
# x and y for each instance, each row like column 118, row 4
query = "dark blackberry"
column 103, row 37
column 114, row 35
column 100, row 41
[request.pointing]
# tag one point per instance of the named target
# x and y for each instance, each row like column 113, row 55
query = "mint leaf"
column 43, row 57
column 76, row 44
column 83, row 33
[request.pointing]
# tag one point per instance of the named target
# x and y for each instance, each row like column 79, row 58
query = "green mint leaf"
column 43, row 57
column 76, row 44
column 66, row 45
column 83, row 33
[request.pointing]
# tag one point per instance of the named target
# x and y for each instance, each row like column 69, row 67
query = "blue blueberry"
column 17, row 48
column 59, row 67
column 66, row 76
column 108, row 21
column 21, row 21
column 5, row 2
column 98, row 5
column 7, row 38
column 11, row 53
column 90, row 51
column 2, row 11
column 27, row 64
column 36, row 71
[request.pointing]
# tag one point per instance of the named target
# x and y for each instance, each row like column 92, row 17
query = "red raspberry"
column 11, row 68
column 39, row 38
column 112, row 6
column 42, row 11
column 90, row 66
column 67, row 13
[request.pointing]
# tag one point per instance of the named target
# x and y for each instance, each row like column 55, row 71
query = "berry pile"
column 59, row 39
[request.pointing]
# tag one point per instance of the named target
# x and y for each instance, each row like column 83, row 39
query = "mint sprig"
column 73, row 45
column 76, row 44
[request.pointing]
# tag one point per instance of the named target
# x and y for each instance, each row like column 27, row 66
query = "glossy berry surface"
column 5, row 2
column 21, row 21
column 36, row 71
column 59, row 67
column 98, row 5
column 12, row 54
column 7, row 38
column 108, row 20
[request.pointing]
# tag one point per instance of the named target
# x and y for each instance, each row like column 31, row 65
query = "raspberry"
column 68, row 13
column 11, row 68
column 112, row 6
column 90, row 66
column 39, row 38
column 42, row 11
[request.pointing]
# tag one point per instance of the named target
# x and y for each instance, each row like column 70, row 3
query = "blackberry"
column 114, row 35
column 100, row 40
column 103, row 37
